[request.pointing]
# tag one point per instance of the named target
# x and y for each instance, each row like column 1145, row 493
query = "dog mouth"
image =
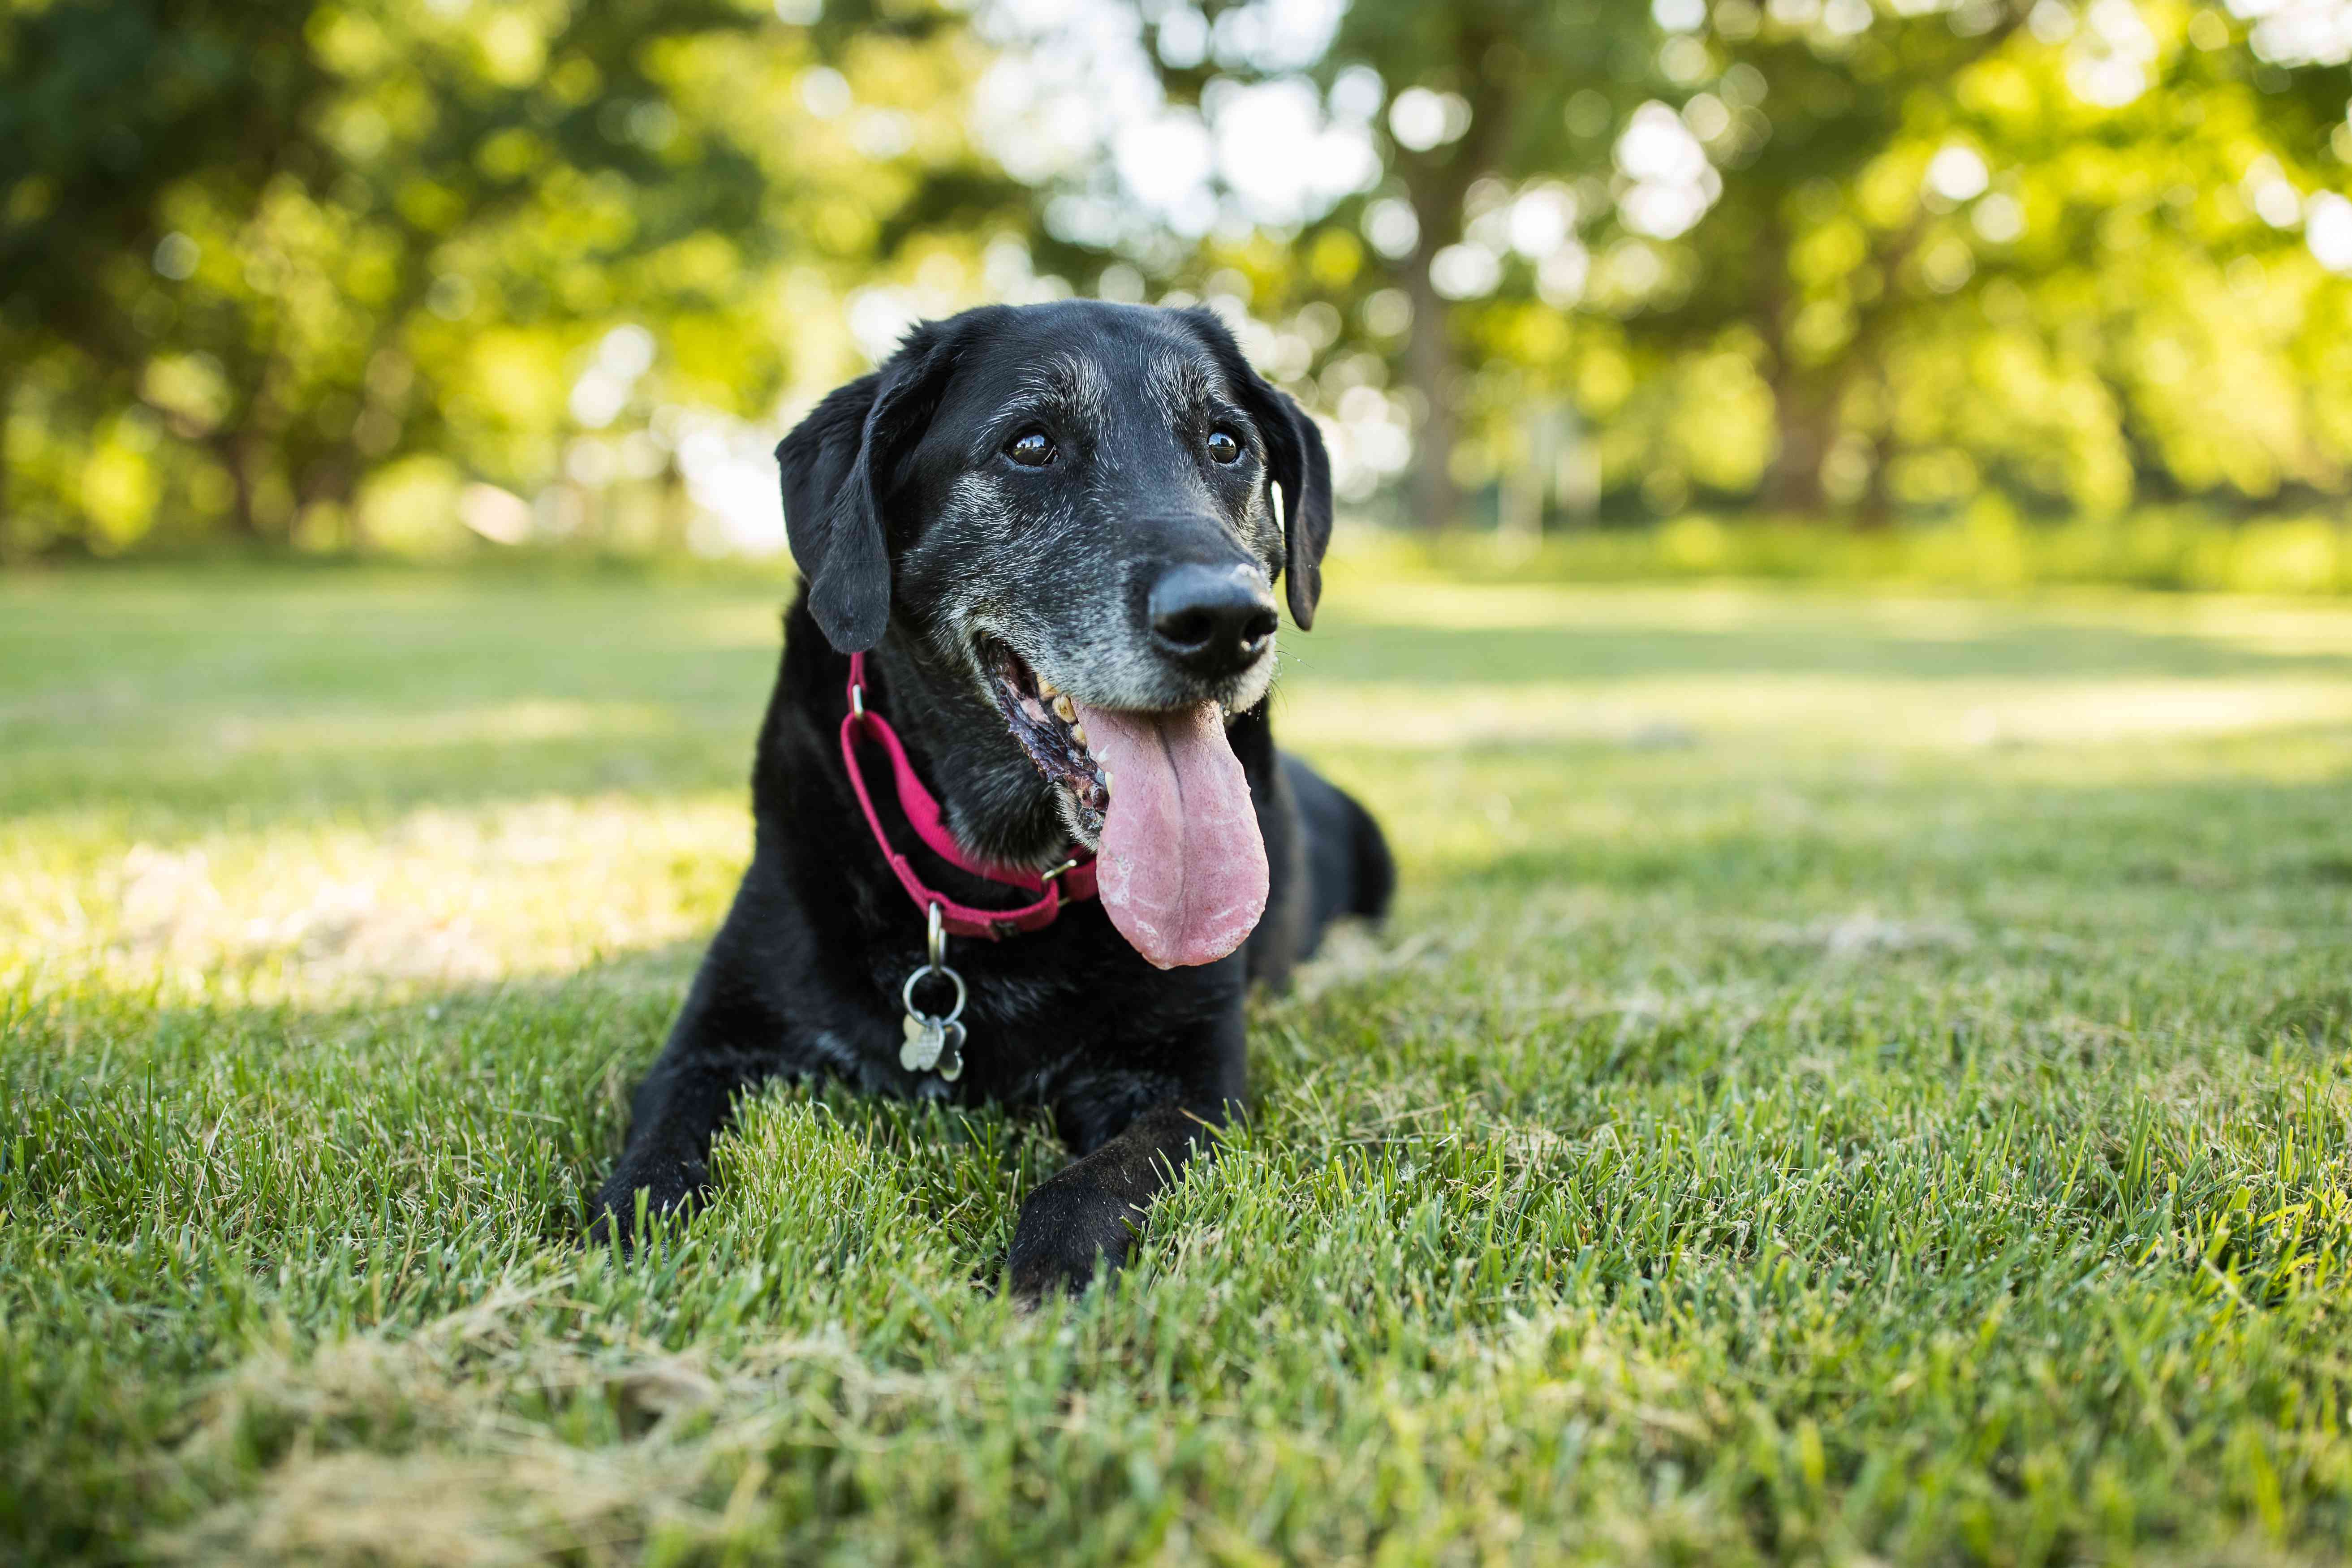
column 1181, row 866
column 1046, row 721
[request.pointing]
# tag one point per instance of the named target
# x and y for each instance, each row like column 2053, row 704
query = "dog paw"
column 631, row 1203
column 1070, row 1232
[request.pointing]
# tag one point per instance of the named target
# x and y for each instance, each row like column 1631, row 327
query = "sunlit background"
column 1857, row 1068
column 1983, row 289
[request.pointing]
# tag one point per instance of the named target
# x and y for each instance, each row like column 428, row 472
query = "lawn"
column 1846, row 1076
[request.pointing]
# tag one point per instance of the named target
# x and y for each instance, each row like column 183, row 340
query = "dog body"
column 1031, row 522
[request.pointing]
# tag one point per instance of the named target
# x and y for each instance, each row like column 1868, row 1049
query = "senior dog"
column 1022, row 834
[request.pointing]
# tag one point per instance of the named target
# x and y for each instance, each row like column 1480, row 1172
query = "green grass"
column 1988, row 549
column 1847, row 1076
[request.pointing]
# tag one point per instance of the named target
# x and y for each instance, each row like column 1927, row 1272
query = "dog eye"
column 1031, row 448
column 1225, row 447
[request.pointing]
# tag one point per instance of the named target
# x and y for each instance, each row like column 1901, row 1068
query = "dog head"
column 1082, row 510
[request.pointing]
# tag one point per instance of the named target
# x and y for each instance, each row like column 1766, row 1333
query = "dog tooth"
column 1065, row 709
column 1046, row 689
column 1079, row 735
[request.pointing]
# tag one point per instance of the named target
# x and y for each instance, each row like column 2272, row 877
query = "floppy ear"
column 1295, row 459
column 835, row 464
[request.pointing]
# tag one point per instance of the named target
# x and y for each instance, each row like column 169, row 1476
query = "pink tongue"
column 1182, row 870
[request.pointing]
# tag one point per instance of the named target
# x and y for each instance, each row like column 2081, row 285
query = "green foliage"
column 1850, row 1079
column 334, row 274
column 259, row 253
column 2047, row 250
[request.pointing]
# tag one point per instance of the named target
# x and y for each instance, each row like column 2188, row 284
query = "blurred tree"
column 106, row 107
column 1798, row 249
column 2144, row 219
column 1935, row 191
column 1480, row 91
column 261, row 264
column 294, row 243
column 1840, row 255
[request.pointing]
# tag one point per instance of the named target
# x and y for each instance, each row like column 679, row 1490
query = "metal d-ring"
column 937, row 943
column 907, row 995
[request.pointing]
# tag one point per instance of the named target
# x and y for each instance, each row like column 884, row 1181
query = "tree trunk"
column 1877, row 509
column 228, row 450
column 1519, row 513
column 674, row 539
column 1803, row 426
column 1801, row 433
column 332, row 478
column 1436, row 184
column 8, row 548
column 1429, row 366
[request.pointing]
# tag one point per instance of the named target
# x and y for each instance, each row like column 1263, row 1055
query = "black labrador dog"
column 1022, row 834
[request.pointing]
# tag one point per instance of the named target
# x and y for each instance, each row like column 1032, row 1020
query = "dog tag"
column 932, row 1043
column 925, row 1039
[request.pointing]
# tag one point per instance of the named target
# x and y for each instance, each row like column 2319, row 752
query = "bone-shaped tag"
column 932, row 1045
column 926, row 1038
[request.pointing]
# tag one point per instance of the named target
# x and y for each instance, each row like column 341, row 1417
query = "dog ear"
column 1295, row 460
column 836, row 465
column 830, row 518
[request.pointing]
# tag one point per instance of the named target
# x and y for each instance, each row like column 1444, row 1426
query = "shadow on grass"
column 2027, row 649
column 200, row 1195
column 194, row 1191
column 297, row 697
column 1725, row 1053
column 445, row 1113
column 2274, row 842
column 529, row 1079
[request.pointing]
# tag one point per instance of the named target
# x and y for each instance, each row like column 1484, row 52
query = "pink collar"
column 1074, row 879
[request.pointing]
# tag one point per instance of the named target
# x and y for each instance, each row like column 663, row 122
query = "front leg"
column 1084, row 1217
column 725, row 1040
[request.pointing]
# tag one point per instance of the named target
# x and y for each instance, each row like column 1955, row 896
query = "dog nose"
column 1213, row 620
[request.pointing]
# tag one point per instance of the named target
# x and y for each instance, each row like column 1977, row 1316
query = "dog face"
column 1074, row 506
